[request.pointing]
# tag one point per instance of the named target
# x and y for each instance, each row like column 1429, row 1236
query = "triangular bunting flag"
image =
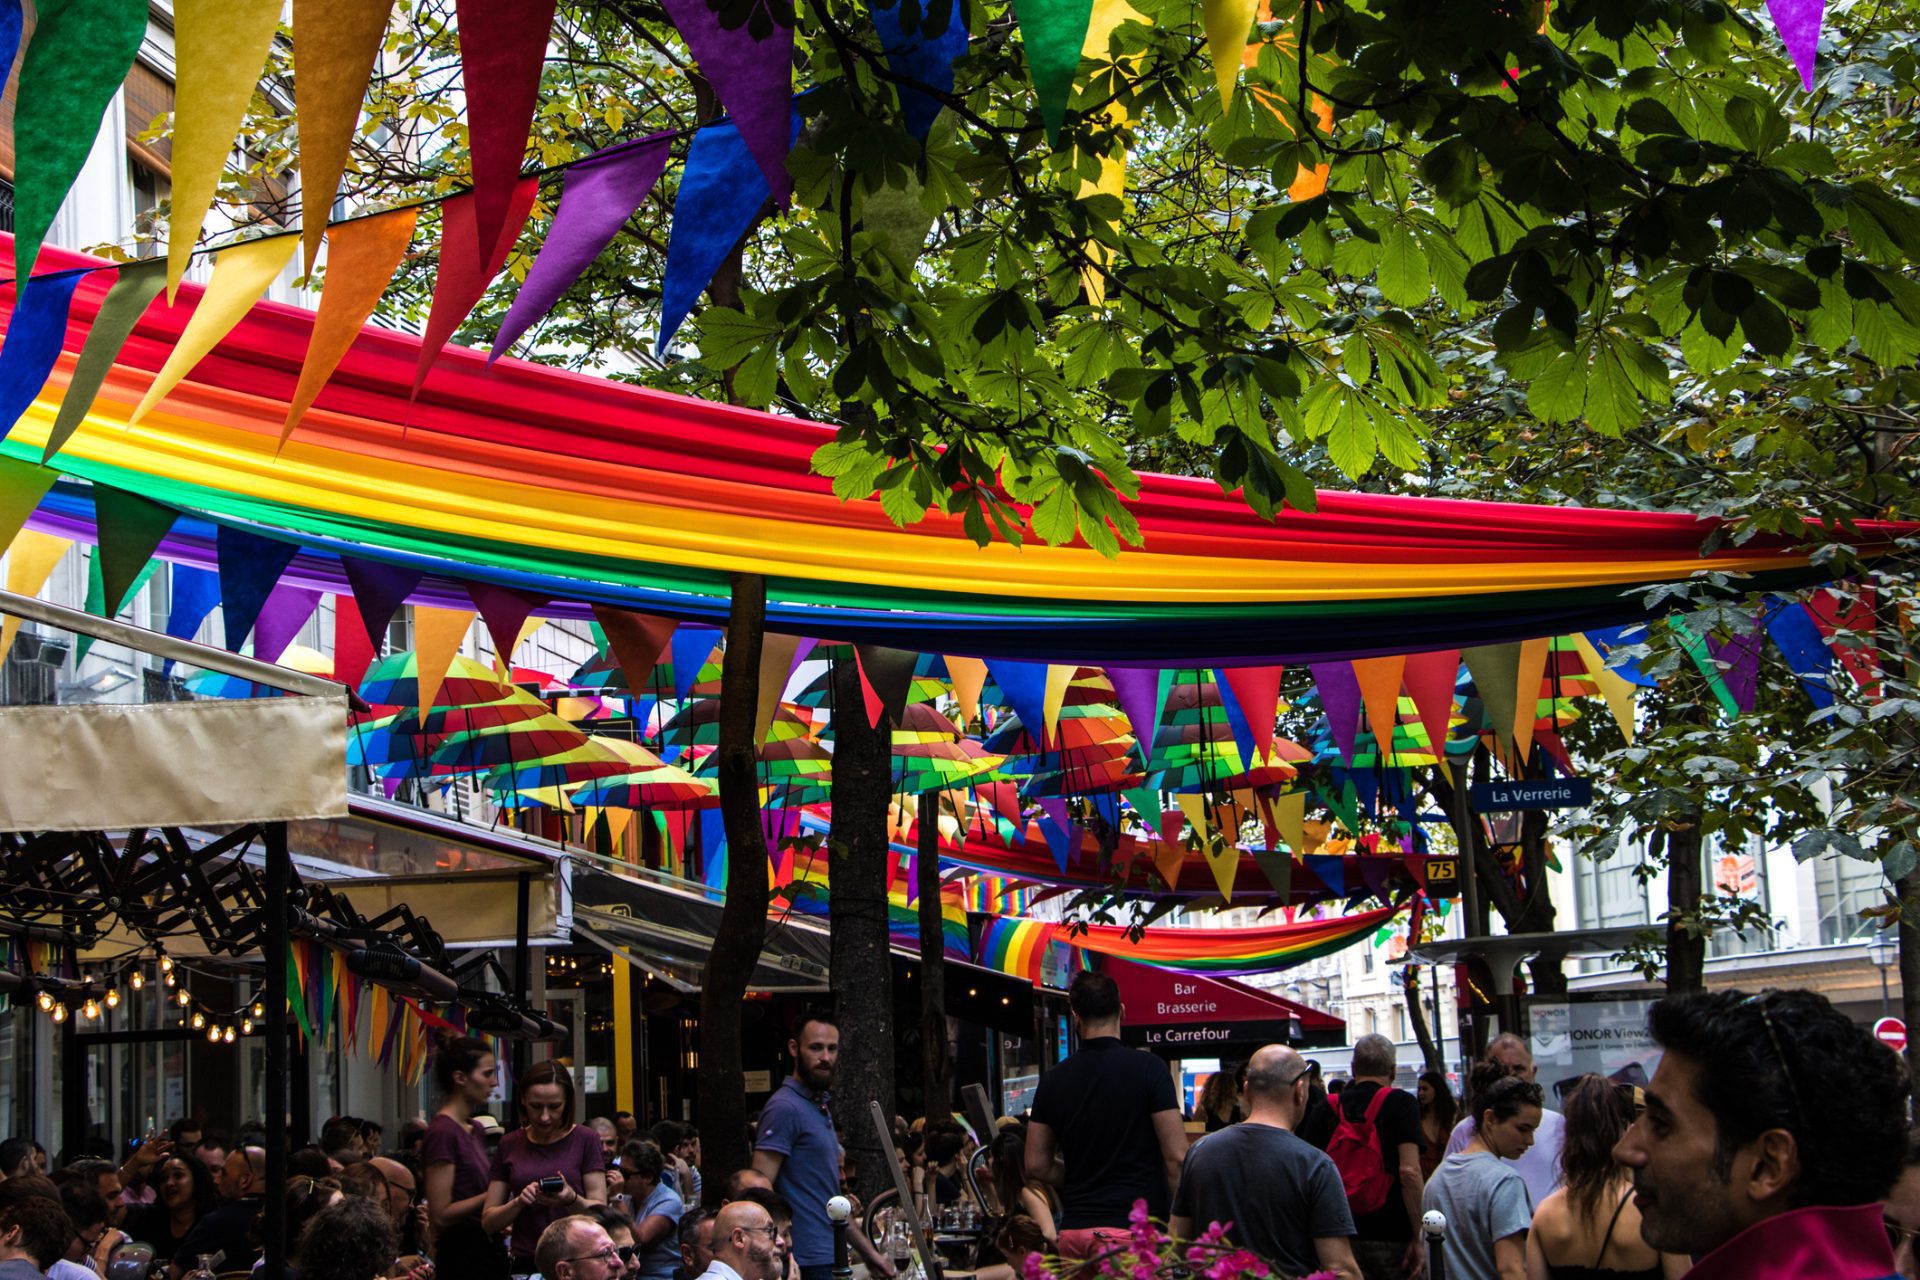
column 195, row 594
column 379, row 589
column 503, row 47
column 1328, row 869
column 1024, row 686
column 465, row 270
column 1833, row 611
column 286, row 611
column 1696, row 648
column 225, row 43
column 250, row 565
column 1142, row 694
column 96, row 603
column 888, row 674
column 602, row 192
column 1379, row 683
column 362, row 257
column 1061, row 832
column 969, row 676
column 778, row 656
column 35, row 332
column 1527, row 688
column 1494, row 669
column 1059, row 676
column 1228, row 23
column 30, row 562
column 1430, row 679
column 637, row 641
column 1290, row 816
column 135, row 286
column 352, row 652
column 241, row 274
column 437, row 636
column 1739, row 658
column 1797, row 637
column 1053, row 32
column 130, row 529
column 1798, row 22
column 1618, row 693
column 1254, row 705
column 76, row 62
column 504, row 611
column 1340, row 700
column 919, row 57
column 22, row 485
column 691, row 647
column 751, row 70
column 335, row 43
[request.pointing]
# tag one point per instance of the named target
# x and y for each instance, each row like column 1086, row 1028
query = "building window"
column 1608, row 892
column 1843, row 887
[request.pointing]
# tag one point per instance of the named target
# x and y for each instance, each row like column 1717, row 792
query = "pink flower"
column 1036, row 1269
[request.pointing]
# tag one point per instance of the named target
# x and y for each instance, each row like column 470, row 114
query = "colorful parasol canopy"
column 663, row 788
column 395, row 681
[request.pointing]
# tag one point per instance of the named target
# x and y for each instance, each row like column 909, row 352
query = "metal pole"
column 274, row 1210
column 523, row 970
column 1886, row 1007
column 839, row 1212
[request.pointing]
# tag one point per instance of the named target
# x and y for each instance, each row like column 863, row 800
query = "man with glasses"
column 619, row 1229
column 1282, row 1196
column 404, row 1204
column 743, row 1243
column 1774, row 1127
column 577, row 1248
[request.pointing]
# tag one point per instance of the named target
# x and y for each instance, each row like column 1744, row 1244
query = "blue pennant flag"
column 1236, row 718
column 914, row 55
column 690, row 647
column 193, row 596
column 722, row 191
column 34, row 335
column 1024, row 685
column 250, row 565
column 1794, row 633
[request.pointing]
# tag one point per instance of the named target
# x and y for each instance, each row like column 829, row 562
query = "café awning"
column 1189, row 1015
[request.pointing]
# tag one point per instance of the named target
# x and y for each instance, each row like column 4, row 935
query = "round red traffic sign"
column 1891, row 1032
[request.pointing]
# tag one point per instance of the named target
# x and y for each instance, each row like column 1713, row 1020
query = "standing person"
column 1220, row 1101
column 549, row 1168
column 1438, row 1111
column 1371, row 1130
column 229, row 1229
column 1774, row 1127
column 796, row 1149
column 1486, row 1203
column 1589, row 1229
column 186, row 1194
column 1283, row 1198
column 656, row 1211
column 1540, row 1166
column 455, row 1165
column 1111, row 1117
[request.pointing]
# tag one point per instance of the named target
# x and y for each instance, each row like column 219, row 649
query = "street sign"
column 1443, row 877
column 1892, row 1033
column 1532, row 793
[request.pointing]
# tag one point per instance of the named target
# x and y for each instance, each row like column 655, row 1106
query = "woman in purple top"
column 550, row 1146
column 453, row 1157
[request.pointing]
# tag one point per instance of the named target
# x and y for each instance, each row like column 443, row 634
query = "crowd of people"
column 1772, row 1143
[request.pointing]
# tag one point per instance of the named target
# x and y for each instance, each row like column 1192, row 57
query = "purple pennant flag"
column 1798, row 22
column 379, row 589
column 250, row 565
column 752, row 75
column 1138, row 690
column 281, row 617
column 602, row 192
column 1340, row 699
column 1741, row 675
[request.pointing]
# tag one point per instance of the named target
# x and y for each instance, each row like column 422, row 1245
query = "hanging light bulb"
column 46, row 1002
column 213, row 1035
column 137, row 981
column 258, row 1012
column 199, row 1021
column 113, row 997
column 90, row 1010
column 246, row 1026
column 166, row 963
column 59, row 1013
column 227, row 1035
column 183, row 999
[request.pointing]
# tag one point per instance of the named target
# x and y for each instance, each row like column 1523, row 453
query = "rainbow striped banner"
column 1015, row 947
column 1267, row 949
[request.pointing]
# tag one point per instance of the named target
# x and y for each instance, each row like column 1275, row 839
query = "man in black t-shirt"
column 1111, row 1115
column 1385, row 1244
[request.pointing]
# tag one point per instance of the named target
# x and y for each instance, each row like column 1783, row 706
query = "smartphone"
column 552, row 1185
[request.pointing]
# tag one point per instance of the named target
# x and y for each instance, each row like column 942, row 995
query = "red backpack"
column 1356, row 1152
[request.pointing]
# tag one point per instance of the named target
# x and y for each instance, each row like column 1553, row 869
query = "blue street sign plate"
column 1532, row 793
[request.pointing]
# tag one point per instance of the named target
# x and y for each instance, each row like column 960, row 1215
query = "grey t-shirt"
column 1484, row 1200
column 1279, row 1192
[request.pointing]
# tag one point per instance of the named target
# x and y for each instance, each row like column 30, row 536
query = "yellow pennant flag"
column 1059, row 676
column 362, row 257
column 1614, row 687
column 1526, row 697
column 241, row 275
column 619, row 821
column 437, row 635
column 30, row 562
column 969, row 677
column 1290, row 818
column 1228, row 23
column 222, row 44
column 1112, row 181
column 335, row 43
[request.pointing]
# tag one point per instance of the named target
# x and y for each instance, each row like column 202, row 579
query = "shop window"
column 1843, row 887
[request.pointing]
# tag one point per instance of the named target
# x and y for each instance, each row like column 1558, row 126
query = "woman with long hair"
column 1220, row 1100
column 547, row 1169
column 455, row 1165
column 1019, row 1195
column 1438, row 1111
column 184, row 1194
column 1486, row 1203
column 1590, row 1229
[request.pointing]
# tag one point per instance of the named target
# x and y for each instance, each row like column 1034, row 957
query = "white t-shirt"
column 1540, row 1166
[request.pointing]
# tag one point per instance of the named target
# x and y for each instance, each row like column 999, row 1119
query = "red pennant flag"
column 1429, row 680
column 464, row 273
column 638, row 641
column 352, row 651
column 503, row 46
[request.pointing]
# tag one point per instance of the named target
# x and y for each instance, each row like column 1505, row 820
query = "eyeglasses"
column 609, row 1256
column 1773, row 1037
column 1898, row 1235
column 772, row 1232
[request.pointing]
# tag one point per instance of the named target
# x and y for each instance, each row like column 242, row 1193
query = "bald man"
column 743, row 1243
column 229, row 1227
column 1282, row 1195
column 743, row 1180
column 405, row 1206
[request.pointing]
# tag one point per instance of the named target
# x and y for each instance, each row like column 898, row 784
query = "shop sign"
column 1532, row 793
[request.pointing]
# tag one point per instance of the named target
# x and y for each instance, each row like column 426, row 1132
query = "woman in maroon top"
column 550, row 1145
column 453, row 1156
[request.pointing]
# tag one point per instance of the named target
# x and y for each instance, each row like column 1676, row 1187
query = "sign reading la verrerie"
column 1532, row 793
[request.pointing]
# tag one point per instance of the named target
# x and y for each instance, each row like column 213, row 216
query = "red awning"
column 1195, row 1015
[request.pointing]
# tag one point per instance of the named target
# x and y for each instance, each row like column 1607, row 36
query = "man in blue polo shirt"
column 797, row 1149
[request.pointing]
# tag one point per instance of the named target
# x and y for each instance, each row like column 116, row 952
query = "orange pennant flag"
column 969, row 677
column 335, row 43
column 1527, row 690
column 362, row 257
column 1379, row 680
column 437, row 636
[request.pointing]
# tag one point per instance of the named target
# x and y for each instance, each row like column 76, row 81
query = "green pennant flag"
column 1277, row 867
column 1345, row 804
column 1696, row 646
column 78, row 57
column 1495, row 669
column 120, row 310
column 1053, row 32
column 96, row 603
column 131, row 528
column 22, row 485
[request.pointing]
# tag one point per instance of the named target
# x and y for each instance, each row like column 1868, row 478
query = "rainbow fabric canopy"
column 577, row 489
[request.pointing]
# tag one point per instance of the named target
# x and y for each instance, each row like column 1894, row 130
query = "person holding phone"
column 548, row 1169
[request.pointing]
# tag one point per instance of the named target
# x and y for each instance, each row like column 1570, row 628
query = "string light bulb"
column 170, row 981
column 137, row 981
column 227, row 1035
column 113, row 997
column 46, row 1002
column 213, row 1035
column 90, row 1010
column 258, row 1011
column 199, row 1021
column 59, row 1013
column 166, row 963
column 246, row 1026
column 183, row 999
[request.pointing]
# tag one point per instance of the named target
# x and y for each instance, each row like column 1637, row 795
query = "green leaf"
column 1056, row 517
column 1403, row 275
column 1559, row 392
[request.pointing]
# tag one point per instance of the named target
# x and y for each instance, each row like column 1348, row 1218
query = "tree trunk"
column 1537, row 911
column 862, row 965
column 1686, row 950
column 1417, row 1015
column 933, row 960
column 1908, row 887
column 743, row 920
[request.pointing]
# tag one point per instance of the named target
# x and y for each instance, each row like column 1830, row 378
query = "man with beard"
column 1774, row 1127
column 795, row 1146
column 743, row 1243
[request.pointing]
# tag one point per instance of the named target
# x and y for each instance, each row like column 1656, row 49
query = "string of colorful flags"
column 331, row 1006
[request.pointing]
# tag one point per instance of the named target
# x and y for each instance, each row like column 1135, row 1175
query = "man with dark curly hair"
column 1774, row 1126
column 34, row 1229
column 350, row 1239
